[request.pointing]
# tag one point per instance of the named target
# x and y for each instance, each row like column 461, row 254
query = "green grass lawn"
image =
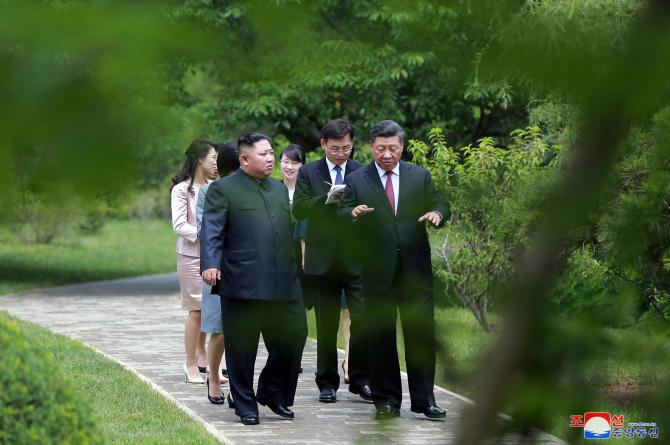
column 128, row 248
column 127, row 410
column 120, row 249
column 461, row 342
column 618, row 384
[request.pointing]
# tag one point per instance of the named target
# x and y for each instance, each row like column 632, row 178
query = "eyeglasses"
column 340, row 150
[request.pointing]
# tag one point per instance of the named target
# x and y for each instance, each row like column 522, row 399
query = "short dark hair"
column 337, row 129
column 294, row 152
column 229, row 158
column 386, row 129
column 249, row 139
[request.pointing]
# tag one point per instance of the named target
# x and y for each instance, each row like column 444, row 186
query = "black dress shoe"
column 281, row 411
column 387, row 412
column 327, row 396
column 432, row 412
column 231, row 404
column 216, row 400
column 251, row 419
column 300, row 370
column 364, row 391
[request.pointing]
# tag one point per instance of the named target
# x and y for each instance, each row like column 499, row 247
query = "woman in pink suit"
column 198, row 168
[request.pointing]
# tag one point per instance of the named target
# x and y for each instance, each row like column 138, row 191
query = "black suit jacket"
column 382, row 236
column 326, row 236
column 246, row 233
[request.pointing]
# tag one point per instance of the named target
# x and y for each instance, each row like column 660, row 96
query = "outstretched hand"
column 432, row 217
column 361, row 210
column 211, row 276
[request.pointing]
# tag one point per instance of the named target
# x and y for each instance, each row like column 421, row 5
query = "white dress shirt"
column 333, row 173
column 395, row 180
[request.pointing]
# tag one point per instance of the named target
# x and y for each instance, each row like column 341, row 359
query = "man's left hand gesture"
column 432, row 217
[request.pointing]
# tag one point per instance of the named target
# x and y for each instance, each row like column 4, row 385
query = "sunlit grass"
column 120, row 249
column 126, row 409
column 618, row 383
column 126, row 248
column 461, row 341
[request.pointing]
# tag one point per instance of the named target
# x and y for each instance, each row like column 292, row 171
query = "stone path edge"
column 211, row 429
column 82, row 283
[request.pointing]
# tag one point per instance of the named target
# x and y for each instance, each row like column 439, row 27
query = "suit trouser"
column 284, row 329
column 328, row 294
column 414, row 301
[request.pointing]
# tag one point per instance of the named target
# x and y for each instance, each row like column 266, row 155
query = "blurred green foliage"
column 100, row 100
column 85, row 106
column 597, row 228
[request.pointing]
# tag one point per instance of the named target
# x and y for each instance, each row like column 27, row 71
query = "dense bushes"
column 493, row 193
column 37, row 404
column 40, row 219
column 615, row 265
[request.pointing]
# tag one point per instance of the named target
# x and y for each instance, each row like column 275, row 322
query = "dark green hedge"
column 38, row 405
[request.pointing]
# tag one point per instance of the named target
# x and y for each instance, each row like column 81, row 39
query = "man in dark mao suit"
column 247, row 255
column 327, row 262
column 390, row 201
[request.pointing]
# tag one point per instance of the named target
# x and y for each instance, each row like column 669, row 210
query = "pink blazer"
column 183, row 219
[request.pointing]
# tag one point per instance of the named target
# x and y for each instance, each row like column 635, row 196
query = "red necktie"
column 389, row 190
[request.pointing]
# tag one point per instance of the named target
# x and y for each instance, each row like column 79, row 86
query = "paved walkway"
column 138, row 322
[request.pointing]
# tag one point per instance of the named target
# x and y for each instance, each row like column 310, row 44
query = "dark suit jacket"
column 246, row 233
column 326, row 236
column 382, row 236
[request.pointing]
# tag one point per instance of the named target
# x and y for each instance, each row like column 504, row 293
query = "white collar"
column 331, row 166
column 382, row 172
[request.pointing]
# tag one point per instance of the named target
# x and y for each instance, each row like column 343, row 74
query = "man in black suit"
column 390, row 201
column 247, row 255
column 328, row 264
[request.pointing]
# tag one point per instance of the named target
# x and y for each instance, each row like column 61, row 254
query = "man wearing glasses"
column 329, row 262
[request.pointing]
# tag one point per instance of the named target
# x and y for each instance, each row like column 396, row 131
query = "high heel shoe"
column 188, row 379
column 223, row 379
column 216, row 400
column 344, row 373
column 231, row 403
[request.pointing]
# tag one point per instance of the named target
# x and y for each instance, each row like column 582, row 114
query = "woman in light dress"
column 198, row 167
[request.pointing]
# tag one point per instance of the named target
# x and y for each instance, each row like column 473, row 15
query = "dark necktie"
column 338, row 175
column 389, row 190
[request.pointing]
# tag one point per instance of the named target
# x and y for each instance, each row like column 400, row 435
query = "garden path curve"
column 138, row 322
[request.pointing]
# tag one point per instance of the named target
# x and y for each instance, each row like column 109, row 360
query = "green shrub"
column 39, row 220
column 37, row 404
column 148, row 204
